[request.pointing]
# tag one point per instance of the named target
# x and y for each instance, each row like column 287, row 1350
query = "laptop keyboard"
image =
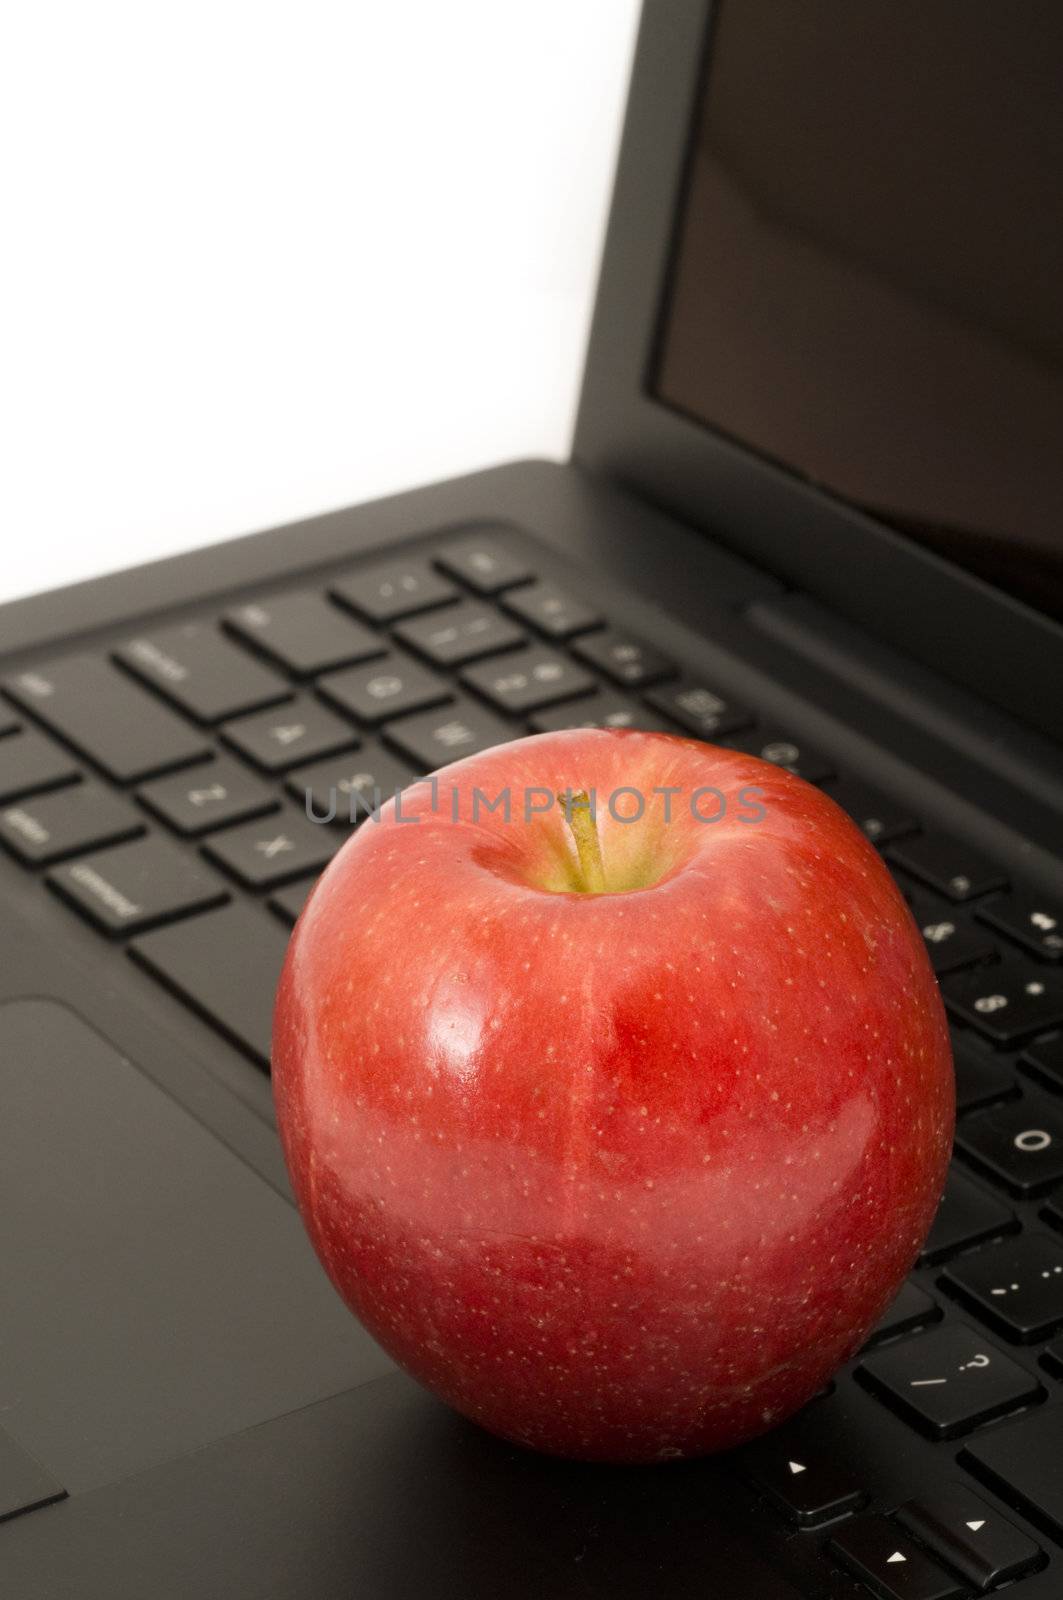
column 160, row 791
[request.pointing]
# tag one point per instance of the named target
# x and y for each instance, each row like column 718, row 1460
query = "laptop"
column 814, row 510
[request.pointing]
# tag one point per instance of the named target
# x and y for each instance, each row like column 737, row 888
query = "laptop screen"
column 867, row 284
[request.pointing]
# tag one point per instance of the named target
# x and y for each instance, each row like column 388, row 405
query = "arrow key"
column 890, row 1564
column 808, row 1485
column 970, row 1536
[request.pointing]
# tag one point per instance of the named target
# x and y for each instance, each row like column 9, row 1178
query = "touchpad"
column 155, row 1293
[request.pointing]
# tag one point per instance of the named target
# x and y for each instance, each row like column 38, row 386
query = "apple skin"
column 624, row 1176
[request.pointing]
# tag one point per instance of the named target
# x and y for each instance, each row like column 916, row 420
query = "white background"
column 261, row 260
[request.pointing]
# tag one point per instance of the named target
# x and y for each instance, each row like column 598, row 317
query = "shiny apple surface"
column 622, row 1175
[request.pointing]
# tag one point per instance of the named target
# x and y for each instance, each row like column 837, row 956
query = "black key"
column 300, row 731
column 965, row 1217
column 783, row 752
column 460, row 633
column 23, row 1481
column 387, row 688
column 1053, row 1357
column 627, row 660
column 1006, row 1003
column 1044, row 1059
column 288, row 903
column 554, row 612
column 394, row 589
column 890, row 1564
column 970, row 1536
column 263, row 854
column 603, row 710
column 1017, row 1286
column 483, row 564
column 879, row 817
column 1029, row 920
column 83, row 816
column 1020, row 1145
column 1022, row 1463
column 225, row 965
column 130, row 887
column 206, row 797
column 527, row 679
column 1053, row 1212
column 949, row 1380
column 808, row 1483
column 947, row 865
column 304, row 633
column 981, row 1078
column 202, row 672
column 29, row 763
column 699, row 710
column 349, row 788
column 91, row 704
column 951, row 942
column 436, row 738
column 911, row 1308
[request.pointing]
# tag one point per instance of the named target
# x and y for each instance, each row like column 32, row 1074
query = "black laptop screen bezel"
column 944, row 616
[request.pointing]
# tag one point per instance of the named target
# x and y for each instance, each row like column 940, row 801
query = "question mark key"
column 947, row 1381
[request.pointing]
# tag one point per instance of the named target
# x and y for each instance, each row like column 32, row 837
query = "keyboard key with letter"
column 211, row 796
column 1029, row 921
column 304, row 633
column 460, row 633
column 524, row 680
column 781, row 751
column 348, row 788
column 484, row 564
column 394, row 589
column 1017, row 1287
column 130, row 887
column 263, row 854
column 627, row 660
column 225, row 965
column 1008, row 1004
column 947, row 865
column 203, row 672
column 387, row 688
column 83, row 816
column 1020, row 1145
column 699, row 710
column 438, row 737
column 300, row 731
column 551, row 610
column 108, row 719
column 603, row 710
column 948, row 1380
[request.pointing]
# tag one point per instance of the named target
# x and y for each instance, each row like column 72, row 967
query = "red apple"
column 621, row 1165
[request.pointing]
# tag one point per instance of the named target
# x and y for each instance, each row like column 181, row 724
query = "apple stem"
column 580, row 817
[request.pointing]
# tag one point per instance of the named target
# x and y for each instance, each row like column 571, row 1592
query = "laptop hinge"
column 991, row 739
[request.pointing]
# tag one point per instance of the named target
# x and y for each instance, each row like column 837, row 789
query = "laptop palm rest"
column 156, row 1294
column 383, row 1494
